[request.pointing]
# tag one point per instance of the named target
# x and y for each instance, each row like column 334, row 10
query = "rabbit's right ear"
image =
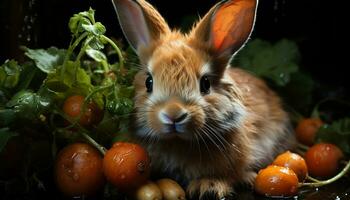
column 140, row 22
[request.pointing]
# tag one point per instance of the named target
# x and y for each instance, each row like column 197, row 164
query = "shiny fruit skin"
column 323, row 159
column 171, row 189
column 294, row 162
column 126, row 165
column 306, row 130
column 148, row 191
column 73, row 106
column 276, row 181
column 78, row 170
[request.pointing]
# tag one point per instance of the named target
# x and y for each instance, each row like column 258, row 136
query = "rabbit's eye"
column 149, row 83
column 205, row 85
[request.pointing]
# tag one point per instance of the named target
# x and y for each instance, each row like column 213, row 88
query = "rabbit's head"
column 183, row 89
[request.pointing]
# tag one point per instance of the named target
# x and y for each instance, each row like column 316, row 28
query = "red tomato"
column 306, row 130
column 126, row 165
column 78, row 170
column 73, row 106
column 323, row 159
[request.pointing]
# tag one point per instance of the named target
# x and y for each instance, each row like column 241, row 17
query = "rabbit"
column 201, row 120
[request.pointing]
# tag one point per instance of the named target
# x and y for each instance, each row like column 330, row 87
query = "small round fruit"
column 78, row 170
column 148, row 191
column 276, row 181
column 171, row 190
column 323, row 159
column 73, row 106
column 294, row 162
column 306, row 130
column 126, row 165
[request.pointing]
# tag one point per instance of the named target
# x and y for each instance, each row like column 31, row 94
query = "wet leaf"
column 96, row 29
column 46, row 60
column 29, row 105
column 97, row 55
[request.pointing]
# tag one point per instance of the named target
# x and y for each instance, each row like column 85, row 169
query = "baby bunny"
column 200, row 119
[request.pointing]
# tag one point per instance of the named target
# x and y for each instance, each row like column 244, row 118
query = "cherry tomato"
column 323, row 159
column 294, row 162
column 73, row 106
column 78, row 170
column 276, row 181
column 306, row 130
column 126, row 165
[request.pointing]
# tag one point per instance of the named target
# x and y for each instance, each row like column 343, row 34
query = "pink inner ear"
column 232, row 23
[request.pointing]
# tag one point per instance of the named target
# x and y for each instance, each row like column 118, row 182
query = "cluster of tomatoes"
column 289, row 170
column 82, row 170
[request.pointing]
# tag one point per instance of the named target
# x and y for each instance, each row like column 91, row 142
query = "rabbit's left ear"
column 227, row 26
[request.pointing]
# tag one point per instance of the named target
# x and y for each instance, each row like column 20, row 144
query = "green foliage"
column 46, row 60
column 337, row 133
column 275, row 62
column 9, row 74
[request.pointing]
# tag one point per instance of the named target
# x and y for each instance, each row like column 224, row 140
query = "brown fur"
column 230, row 133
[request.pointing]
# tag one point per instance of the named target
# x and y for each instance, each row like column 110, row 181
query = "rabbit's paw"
column 209, row 189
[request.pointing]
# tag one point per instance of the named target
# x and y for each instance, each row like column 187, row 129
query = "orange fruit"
column 306, row 130
column 126, row 165
column 276, row 181
column 294, row 162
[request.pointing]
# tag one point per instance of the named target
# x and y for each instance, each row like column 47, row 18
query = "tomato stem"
column 70, row 51
column 312, row 179
column 116, row 48
column 93, row 142
column 331, row 180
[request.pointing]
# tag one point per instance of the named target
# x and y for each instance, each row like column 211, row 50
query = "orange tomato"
column 294, row 162
column 73, row 107
column 276, row 181
column 126, row 165
column 78, row 170
column 323, row 159
column 306, row 130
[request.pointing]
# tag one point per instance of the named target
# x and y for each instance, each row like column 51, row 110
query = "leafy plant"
column 338, row 132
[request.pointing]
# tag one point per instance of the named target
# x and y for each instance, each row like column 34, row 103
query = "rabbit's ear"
column 140, row 22
column 227, row 26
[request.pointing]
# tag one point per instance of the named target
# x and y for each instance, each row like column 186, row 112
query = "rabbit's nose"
column 167, row 119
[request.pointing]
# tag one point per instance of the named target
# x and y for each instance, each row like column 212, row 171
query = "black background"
column 317, row 26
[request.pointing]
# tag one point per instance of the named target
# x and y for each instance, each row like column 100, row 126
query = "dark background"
column 317, row 27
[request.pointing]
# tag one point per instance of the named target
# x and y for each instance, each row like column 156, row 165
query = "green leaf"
column 337, row 133
column 29, row 105
column 98, row 56
column 96, row 29
column 96, row 43
column 46, row 60
column 5, row 136
column 274, row 62
column 9, row 74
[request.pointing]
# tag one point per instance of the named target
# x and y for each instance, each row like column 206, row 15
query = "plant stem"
column 93, row 142
column 331, row 180
column 313, row 179
column 70, row 51
column 83, row 49
column 120, row 55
